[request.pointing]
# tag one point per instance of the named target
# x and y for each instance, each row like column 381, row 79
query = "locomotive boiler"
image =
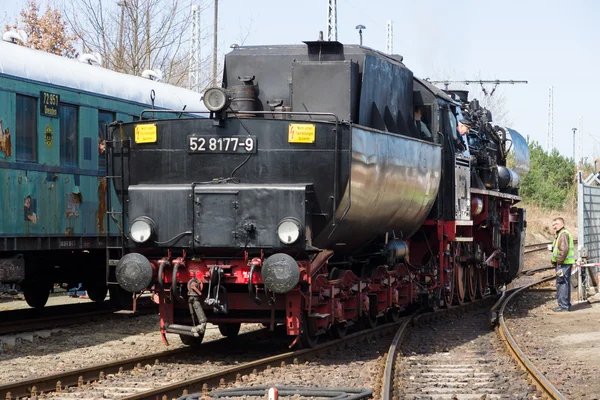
column 307, row 197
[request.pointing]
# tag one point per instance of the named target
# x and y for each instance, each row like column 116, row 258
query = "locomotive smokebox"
column 280, row 273
column 134, row 272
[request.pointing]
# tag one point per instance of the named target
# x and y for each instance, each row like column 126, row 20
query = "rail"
column 55, row 382
column 538, row 378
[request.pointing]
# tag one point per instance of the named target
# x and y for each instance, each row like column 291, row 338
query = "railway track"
column 29, row 319
column 466, row 362
column 531, row 248
column 147, row 377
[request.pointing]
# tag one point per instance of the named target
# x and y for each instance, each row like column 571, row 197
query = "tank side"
column 394, row 182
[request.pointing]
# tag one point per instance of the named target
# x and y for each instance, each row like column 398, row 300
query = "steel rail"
column 56, row 382
column 60, row 381
column 66, row 319
column 531, row 248
column 531, row 271
column 538, row 378
column 388, row 376
column 219, row 378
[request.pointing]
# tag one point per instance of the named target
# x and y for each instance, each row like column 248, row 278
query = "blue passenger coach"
column 53, row 113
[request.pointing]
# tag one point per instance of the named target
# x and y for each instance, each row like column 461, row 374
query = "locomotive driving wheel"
column 472, row 280
column 461, row 283
column 448, row 281
column 460, row 275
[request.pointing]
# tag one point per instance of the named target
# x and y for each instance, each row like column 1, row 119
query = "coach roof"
column 29, row 64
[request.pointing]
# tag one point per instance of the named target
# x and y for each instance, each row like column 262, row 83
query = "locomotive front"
column 240, row 216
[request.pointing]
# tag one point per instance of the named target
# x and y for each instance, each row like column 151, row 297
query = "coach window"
column 26, row 129
column 104, row 118
column 69, row 135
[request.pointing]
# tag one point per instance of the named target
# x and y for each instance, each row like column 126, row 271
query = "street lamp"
column 360, row 28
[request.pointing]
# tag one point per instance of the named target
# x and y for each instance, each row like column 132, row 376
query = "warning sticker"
column 301, row 133
column 145, row 133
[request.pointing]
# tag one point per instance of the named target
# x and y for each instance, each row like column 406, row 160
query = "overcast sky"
column 548, row 43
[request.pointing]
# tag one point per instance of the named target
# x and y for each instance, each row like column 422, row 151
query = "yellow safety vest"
column 570, row 259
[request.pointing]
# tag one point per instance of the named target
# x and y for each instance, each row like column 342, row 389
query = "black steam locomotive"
column 307, row 196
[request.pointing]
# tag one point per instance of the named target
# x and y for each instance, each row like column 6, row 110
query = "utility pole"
column 194, row 70
column 389, row 37
column 214, row 77
column 148, row 48
column 550, row 135
column 332, row 20
column 581, row 141
column 481, row 82
column 574, row 130
column 121, row 62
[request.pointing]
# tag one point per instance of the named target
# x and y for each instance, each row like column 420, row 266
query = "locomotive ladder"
column 115, row 246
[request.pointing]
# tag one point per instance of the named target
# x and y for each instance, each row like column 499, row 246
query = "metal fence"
column 588, row 218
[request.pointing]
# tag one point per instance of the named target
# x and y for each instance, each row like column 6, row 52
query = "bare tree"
column 135, row 35
column 48, row 32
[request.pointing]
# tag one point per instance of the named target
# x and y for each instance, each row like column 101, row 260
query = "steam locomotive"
column 307, row 197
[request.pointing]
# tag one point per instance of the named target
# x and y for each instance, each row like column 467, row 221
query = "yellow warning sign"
column 145, row 133
column 301, row 133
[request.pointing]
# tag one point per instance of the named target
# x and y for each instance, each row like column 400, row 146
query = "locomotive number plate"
column 221, row 144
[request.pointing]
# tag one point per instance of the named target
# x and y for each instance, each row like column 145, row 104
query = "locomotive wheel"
column 192, row 341
column 97, row 293
column 449, row 289
column 36, row 293
column 392, row 315
column 369, row 321
column 230, row 330
column 308, row 338
column 482, row 281
column 472, row 281
column 338, row 330
column 120, row 298
column 461, row 283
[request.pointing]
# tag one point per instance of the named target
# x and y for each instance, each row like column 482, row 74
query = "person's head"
column 27, row 202
column 558, row 223
column 463, row 127
column 418, row 113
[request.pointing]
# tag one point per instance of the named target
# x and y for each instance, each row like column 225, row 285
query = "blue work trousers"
column 563, row 285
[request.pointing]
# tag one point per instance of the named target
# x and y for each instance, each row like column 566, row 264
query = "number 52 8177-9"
column 221, row 144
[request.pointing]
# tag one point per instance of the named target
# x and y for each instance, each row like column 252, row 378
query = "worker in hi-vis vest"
column 563, row 258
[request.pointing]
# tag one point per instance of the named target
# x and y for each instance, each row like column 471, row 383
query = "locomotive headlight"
column 141, row 229
column 215, row 99
column 289, row 230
